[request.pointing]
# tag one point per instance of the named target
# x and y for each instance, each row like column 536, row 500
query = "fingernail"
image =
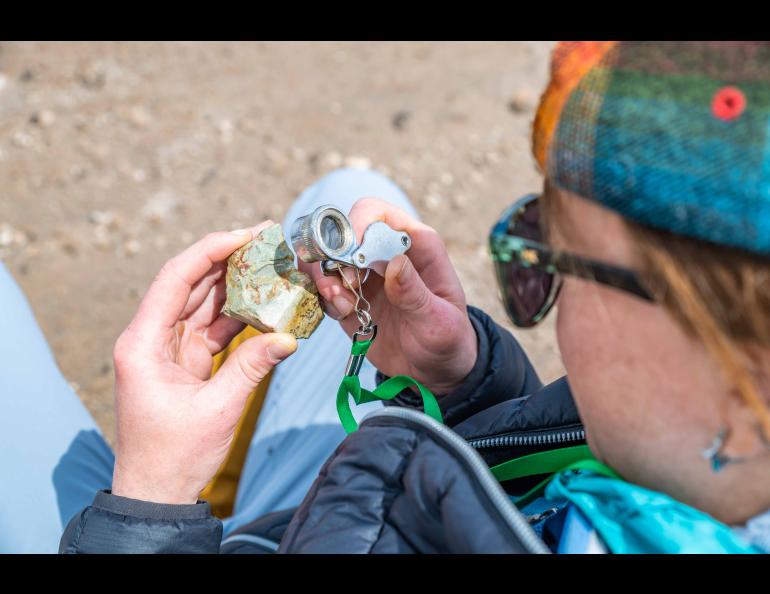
column 241, row 232
column 281, row 347
column 405, row 272
column 342, row 305
column 348, row 274
column 330, row 310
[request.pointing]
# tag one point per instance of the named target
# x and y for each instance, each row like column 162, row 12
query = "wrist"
column 461, row 365
column 129, row 485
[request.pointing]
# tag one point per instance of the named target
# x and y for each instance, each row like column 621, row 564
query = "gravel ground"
column 115, row 156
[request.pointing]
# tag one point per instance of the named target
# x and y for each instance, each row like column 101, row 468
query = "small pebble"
column 433, row 201
column 102, row 237
column 22, row 139
column 357, row 162
column 139, row 116
column 92, row 77
column 77, row 172
column 333, row 160
column 160, row 206
column 132, row 247
column 102, row 217
column 225, row 128
column 400, row 119
column 277, row 159
column 459, row 201
column 11, row 237
column 522, row 101
column 44, row 118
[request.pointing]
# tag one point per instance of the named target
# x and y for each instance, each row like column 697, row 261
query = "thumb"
column 404, row 288
column 251, row 362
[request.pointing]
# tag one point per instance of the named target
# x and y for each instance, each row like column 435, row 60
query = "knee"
column 343, row 187
column 347, row 185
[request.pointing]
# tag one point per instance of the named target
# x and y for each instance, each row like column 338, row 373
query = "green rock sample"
column 266, row 291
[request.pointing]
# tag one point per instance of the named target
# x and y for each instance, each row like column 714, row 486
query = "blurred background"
column 116, row 156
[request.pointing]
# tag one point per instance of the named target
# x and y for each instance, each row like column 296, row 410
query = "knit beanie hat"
column 670, row 134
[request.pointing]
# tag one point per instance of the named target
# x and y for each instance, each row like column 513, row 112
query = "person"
column 66, row 459
column 650, row 235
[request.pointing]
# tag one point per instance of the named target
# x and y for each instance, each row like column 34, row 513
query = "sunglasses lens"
column 527, row 292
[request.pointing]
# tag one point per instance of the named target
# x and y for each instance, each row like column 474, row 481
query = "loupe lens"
column 331, row 233
column 324, row 234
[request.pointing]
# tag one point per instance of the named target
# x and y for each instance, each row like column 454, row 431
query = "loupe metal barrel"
column 324, row 234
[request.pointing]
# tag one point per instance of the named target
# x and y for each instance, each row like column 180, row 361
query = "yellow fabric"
column 220, row 492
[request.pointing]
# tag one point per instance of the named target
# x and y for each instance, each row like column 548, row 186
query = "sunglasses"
column 529, row 273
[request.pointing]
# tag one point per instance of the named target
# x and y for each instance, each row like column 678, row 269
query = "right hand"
column 419, row 306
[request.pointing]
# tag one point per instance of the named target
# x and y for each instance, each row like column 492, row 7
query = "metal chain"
column 362, row 306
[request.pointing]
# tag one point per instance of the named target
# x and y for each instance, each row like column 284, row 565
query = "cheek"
column 585, row 332
column 593, row 341
column 631, row 369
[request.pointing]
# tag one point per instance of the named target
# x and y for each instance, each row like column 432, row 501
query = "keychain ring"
column 362, row 331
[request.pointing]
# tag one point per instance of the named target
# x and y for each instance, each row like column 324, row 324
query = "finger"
column 315, row 271
column 426, row 243
column 337, row 300
column 209, row 309
column 202, row 288
column 368, row 210
column 405, row 289
column 248, row 365
column 221, row 331
column 165, row 300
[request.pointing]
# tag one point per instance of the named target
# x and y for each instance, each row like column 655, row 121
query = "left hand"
column 175, row 421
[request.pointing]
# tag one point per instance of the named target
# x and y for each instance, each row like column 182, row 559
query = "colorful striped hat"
column 673, row 134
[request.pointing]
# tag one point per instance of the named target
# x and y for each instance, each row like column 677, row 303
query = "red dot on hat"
column 728, row 103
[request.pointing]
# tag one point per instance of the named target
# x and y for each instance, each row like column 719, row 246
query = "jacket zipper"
column 513, row 518
column 529, row 439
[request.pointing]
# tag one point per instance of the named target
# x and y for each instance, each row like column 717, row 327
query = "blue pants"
column 53, row 457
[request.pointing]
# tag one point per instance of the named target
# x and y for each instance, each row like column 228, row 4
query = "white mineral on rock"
column 266, row 291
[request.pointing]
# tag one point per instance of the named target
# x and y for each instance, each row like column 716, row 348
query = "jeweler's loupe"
column 326, row 235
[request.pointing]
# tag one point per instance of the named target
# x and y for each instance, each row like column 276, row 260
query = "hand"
column 175, row 422
column 419, row 306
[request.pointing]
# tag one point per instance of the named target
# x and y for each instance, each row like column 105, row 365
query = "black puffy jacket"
column 402, row 483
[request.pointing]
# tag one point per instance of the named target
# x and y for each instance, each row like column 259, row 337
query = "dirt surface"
column 114, row 157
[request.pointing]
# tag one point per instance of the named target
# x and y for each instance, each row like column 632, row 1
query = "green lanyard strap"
column 387, row 390
column 550, row 462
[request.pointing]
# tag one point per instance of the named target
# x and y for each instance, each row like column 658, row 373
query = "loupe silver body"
column 326, row 235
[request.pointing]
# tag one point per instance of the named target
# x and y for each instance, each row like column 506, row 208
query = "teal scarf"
column 631, row 519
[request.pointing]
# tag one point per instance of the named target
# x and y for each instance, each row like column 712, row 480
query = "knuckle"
column 167, row 270
column 433, row 235
column 211, row 237
column 123, row 350
column 421, row 300
column 368, row 202
column 253, row 368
